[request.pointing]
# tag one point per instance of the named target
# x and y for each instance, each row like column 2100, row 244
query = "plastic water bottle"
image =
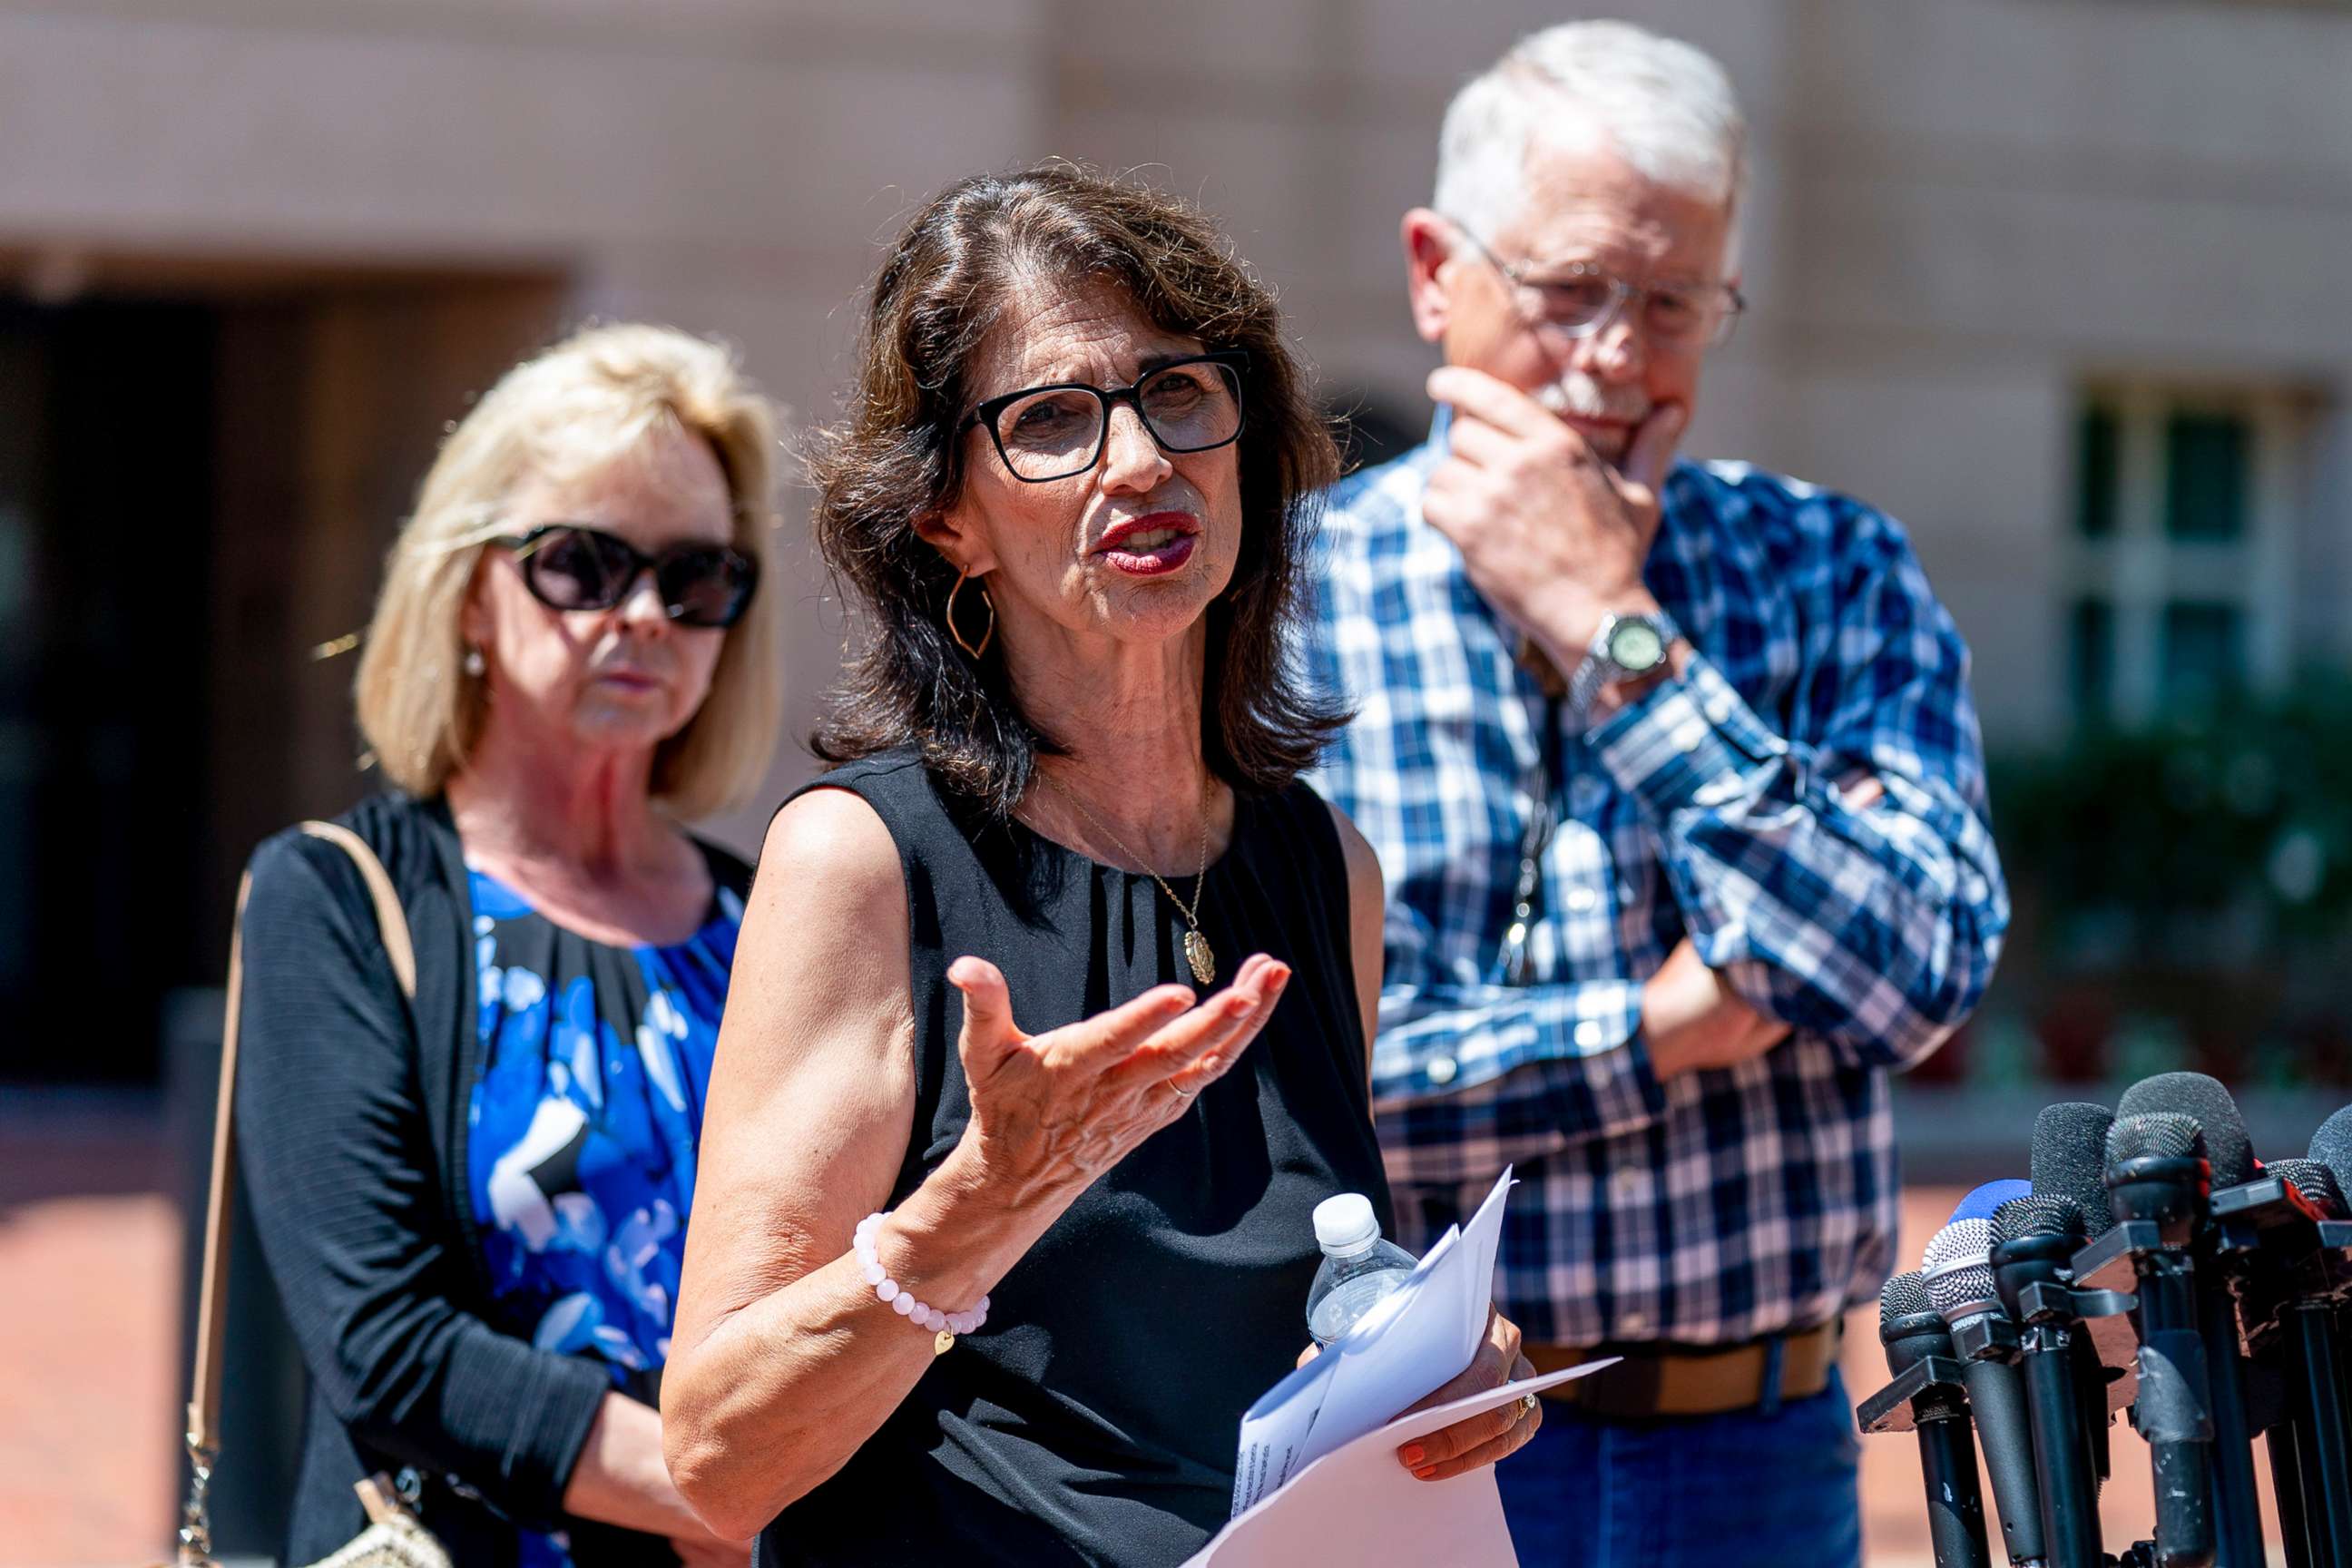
column 1359, row 1266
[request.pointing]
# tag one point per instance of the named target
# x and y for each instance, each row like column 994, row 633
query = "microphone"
column 1961, row 1284
column 2203, row 1100
column 2331, row 1147
column 2278, row 1236
column 1913, row 1332
column 2033, row 1239
column 2156, row 1180
column 2238, row 1525
column 1980, row 1202
column 2070, row 1146
column 2314, row 1180
column 2325, row 1179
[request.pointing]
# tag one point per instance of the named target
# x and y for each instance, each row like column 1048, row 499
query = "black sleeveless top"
column 1094, row 1419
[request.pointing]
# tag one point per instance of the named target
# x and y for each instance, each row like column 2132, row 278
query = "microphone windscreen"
column 1981, row 1203
column 2037, row 1214
column 2313, row 1180
column 2070, row 1148
column 1904, row 1296
column 2164, row 1133
column 2331, row 1147
column 2194, row 1094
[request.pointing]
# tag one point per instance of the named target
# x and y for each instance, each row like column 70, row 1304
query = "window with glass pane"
column 2204, row 655
column 2091, row 658
column 2205, row 477
column 2095, row 450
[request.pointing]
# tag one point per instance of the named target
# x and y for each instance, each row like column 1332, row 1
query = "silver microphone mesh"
column 1955, row 1266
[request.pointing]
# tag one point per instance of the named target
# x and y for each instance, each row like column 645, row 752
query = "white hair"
column 1664, row 106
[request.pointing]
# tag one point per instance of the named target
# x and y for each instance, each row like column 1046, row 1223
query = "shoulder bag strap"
column 212, row 1297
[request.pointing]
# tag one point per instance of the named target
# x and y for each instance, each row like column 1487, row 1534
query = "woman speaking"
column 1005, row 1211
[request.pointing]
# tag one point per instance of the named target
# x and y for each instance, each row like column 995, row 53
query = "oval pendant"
column 1198, row 954
column 944, row 1343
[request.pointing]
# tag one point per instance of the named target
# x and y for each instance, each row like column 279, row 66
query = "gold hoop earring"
column 956, row 632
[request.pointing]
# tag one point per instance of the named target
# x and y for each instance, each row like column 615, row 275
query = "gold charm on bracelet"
column 943, row 1343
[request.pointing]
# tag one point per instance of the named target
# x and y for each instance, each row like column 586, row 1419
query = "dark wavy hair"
column 897, row 458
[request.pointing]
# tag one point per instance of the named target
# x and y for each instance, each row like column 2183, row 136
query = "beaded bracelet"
column 946, row 1325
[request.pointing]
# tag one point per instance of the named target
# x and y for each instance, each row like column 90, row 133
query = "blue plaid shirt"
column 1721, row 1205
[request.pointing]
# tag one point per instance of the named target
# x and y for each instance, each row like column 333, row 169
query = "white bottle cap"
column 1345, row 1223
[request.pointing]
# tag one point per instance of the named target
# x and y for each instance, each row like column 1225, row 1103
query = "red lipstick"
column 1151, row 545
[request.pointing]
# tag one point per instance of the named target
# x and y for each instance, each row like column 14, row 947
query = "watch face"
column 1635, row 647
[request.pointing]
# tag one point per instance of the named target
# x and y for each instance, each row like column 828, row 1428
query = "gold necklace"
column 1197, row 952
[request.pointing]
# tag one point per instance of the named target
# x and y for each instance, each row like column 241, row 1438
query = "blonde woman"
column 473, row 1204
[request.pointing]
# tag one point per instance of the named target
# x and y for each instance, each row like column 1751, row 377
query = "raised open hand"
column 1050, row 1112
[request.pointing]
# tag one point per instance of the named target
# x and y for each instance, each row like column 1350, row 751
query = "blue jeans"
column 1756, row 1489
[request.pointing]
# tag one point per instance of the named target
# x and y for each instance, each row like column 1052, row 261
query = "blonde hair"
column 589, row 400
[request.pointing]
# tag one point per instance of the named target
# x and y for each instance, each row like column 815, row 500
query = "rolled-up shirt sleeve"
column 1875, row 926
column 1468, row 1077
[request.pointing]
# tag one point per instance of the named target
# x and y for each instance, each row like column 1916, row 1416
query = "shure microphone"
column 2237, row 1516
column 2034, row 1240
column 2157, row 1181
column 1961, row 1284
column 1912, row 1331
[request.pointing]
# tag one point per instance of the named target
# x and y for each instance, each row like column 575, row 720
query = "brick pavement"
column 89, row 1382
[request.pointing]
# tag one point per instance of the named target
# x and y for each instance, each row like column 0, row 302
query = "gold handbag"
column 394, row 1537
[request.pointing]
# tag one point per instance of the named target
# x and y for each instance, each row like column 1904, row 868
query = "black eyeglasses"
column 1046, row 433
column 570, row 566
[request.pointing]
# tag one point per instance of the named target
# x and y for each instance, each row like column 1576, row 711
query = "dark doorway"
column 201, row 466
column 106, row 532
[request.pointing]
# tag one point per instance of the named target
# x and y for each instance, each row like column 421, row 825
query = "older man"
column 1674, row 774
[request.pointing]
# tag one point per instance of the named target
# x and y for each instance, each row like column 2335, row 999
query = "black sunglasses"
column 1047, row 433
column 570, row 566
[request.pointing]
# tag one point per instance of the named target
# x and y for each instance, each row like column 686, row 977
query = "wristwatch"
column 1625, row 647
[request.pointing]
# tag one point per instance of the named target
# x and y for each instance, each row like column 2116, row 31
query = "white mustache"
column 1586, row 397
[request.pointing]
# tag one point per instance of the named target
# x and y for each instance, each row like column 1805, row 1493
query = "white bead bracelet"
column 900, row 1300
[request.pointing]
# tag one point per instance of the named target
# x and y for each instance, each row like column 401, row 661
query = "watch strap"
column 1599, row 668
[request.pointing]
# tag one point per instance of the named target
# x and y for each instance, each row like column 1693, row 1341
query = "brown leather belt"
column 1676, row 1379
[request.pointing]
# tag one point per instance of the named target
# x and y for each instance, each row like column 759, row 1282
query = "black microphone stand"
column 2203, row 1104
column 2237, row 1514
column 1929, row 1396
column 2285, row 1259
column 2157, row 1179
column 2034, row 1239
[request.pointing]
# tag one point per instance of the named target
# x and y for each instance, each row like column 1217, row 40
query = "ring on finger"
column 1527, row 1405
column 1181, row 1092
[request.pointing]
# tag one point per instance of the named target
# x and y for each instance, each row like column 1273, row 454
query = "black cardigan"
column 351, row 1126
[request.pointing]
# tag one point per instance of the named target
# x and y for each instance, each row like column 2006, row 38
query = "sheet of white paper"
column 1360, row 1504
column 1417, row 1337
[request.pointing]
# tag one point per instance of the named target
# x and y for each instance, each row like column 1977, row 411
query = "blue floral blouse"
column 583, row 1128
